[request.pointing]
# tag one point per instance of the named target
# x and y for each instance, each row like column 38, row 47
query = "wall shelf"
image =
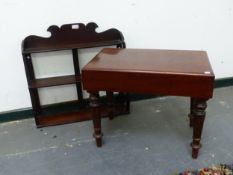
column 67, row 37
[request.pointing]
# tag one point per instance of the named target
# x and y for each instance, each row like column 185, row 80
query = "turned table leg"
column 191, row 112
column 110, row 104
column 198, row 121
column 96, row 117
column 128, row 103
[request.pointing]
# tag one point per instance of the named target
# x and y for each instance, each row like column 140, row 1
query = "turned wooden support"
column 110, row 104
column 127, row 102
column 199, row 113
column 125, row 98
column 191, row 112
column 96, row 117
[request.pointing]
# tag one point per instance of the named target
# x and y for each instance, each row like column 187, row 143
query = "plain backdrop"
column 161, row 24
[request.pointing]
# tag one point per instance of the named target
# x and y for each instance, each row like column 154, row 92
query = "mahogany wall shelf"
column 67, row 37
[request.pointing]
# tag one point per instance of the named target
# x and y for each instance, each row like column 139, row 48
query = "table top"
column 164, row 72
column 152, row 61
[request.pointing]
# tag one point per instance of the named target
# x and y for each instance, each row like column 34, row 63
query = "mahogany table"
column 163, row 72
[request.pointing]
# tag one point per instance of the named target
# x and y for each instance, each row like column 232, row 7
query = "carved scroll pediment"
column 70, row 36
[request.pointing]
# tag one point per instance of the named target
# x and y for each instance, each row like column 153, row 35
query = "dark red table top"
column 168, row 72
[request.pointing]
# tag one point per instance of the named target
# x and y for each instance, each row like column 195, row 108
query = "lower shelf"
column 84, row 115
column 55, row 81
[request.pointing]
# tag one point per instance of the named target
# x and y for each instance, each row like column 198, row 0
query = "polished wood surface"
column 72, row 36
column 79, row 116
column 152, row 61
column 55, row 81
column 166, row 72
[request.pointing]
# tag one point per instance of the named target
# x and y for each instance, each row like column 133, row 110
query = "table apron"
column 163, row 84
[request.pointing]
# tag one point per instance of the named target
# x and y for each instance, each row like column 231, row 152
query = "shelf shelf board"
column 65, row 46
column 55, row 81
column 77, row 116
